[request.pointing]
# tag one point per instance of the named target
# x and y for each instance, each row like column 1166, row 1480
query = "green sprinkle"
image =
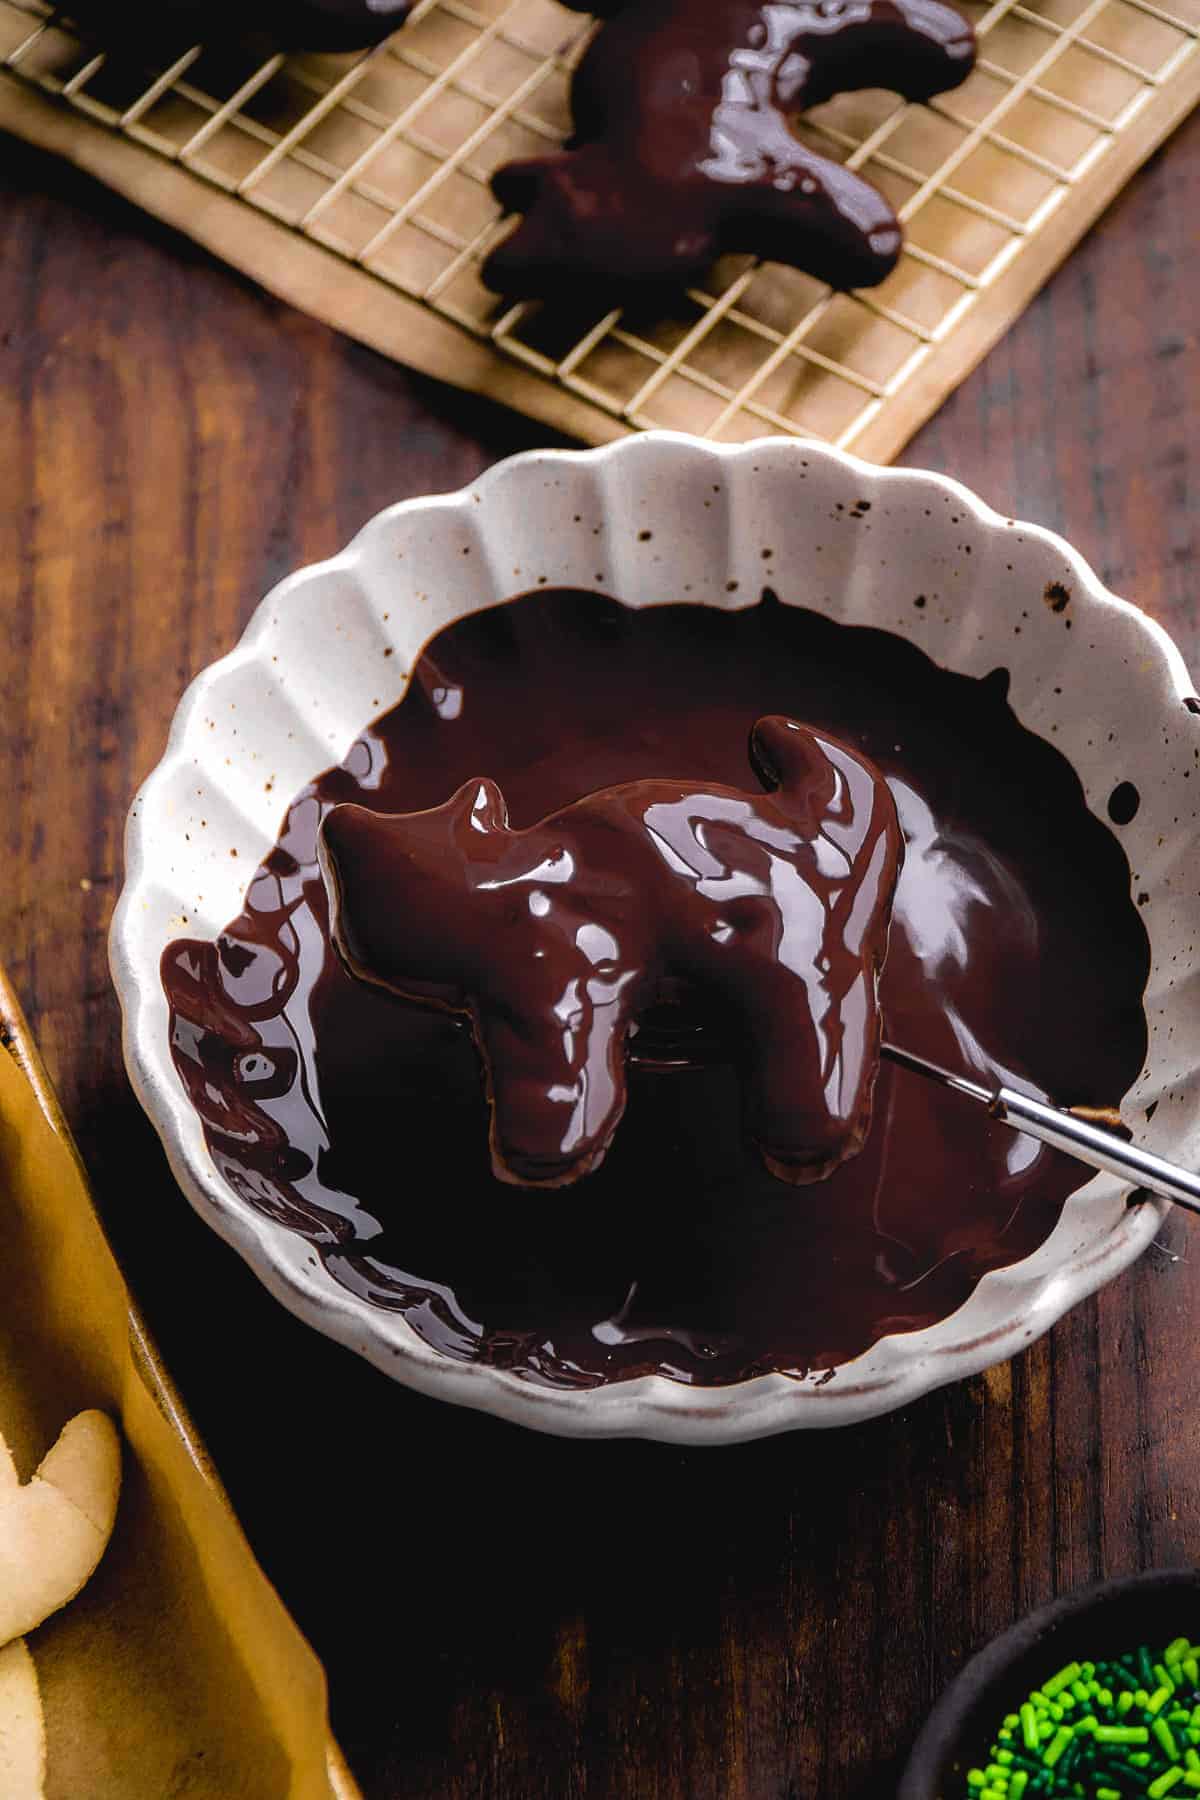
column 1166, row 1737
column 1115, row 1729
column 1063, row 1679
column 1062, row 1738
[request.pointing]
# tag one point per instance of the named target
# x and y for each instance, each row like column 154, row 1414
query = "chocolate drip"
column 360, row 1120
column 770, row 912
column 683, row 147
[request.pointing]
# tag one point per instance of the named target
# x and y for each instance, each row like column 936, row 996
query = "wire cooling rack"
column 383, row 161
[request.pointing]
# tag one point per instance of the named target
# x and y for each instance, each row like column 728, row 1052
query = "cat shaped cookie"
column 768, row 910
column 683, row 147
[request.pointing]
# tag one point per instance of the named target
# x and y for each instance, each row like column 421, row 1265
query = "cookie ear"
column 479, row 805
column 349, row 833
column 54, row 1528
column 788, row 759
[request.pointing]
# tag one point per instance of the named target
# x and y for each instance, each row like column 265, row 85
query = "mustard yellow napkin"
column 176, row 1671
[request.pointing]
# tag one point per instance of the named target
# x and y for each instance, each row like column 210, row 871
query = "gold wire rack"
column 382, row 161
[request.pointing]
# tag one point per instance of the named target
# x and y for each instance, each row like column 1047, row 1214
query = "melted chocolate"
column 1015, row 953
column 766, row 915
column 683, row 147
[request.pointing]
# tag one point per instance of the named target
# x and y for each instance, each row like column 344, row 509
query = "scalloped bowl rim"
column 651, row 1406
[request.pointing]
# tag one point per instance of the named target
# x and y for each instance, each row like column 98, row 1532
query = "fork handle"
column 1092, row 1144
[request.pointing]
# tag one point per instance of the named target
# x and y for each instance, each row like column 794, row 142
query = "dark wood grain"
column 505, row 1616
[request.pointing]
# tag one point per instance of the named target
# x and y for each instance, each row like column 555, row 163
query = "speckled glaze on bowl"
column 665, row 517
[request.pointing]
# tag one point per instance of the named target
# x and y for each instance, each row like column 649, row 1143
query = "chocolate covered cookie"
column 683, row 147
column 772, row 909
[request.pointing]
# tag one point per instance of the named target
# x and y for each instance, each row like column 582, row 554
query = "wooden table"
column 502, row 1615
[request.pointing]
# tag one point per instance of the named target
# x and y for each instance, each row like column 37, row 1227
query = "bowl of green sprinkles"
column 1095, row 1696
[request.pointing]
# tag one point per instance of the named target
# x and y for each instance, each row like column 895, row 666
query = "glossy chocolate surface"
column 761, row 918
column 358, row 1119
column 683, row 147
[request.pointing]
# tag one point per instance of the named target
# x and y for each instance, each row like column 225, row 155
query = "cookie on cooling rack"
column 683, row 147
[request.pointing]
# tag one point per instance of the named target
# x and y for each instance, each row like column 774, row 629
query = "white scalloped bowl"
column 678, row 518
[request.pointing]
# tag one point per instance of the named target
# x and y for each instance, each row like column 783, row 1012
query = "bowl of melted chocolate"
column 514, row 924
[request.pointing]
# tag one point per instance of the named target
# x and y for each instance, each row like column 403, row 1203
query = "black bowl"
column 1100, row 1621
